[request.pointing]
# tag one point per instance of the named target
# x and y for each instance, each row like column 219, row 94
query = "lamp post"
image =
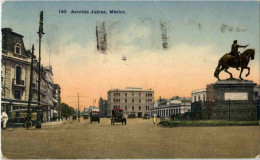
column 40, row 33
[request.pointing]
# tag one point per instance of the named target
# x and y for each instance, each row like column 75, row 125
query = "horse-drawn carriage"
column 117, row 116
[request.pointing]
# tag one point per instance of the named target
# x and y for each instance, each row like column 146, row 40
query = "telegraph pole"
column 78, row 107
column 30, row 93
column 40, row 33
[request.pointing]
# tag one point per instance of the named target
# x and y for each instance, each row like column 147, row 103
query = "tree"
column 66, row 110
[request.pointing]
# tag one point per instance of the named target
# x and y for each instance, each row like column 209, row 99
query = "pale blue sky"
column 182, row 18
column 70, row 39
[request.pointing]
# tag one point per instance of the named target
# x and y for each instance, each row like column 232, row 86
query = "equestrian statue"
column 235, row 60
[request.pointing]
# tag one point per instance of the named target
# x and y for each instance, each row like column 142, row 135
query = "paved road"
column 138, row 139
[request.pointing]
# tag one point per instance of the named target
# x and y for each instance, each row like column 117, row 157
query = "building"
column 168, row 107
column 198, row 103
column 198, row 95
column 204, row 110
column 135, row 101
column 92, row 108
column 15, row 73
column 57, row 101
column 15, row 76
column 102, row 105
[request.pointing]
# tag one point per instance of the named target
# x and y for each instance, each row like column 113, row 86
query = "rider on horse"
column 234, row 52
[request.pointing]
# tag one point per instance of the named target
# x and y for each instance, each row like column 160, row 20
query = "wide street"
column 138, row 139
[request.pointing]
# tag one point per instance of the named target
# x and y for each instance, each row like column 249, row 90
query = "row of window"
column 118, row 100
column 199, row 98
column 133, row 107
column 167, row 113
column 147, row 94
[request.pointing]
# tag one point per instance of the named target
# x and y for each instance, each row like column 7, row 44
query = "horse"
column 228, row 61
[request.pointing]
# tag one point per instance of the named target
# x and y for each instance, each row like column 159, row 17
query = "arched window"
column 17, row 48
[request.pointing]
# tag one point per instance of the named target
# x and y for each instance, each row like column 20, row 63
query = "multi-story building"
column 57, row 101
column 167, row 107
column 15, row 73
column 102, row 105
column 135, row 101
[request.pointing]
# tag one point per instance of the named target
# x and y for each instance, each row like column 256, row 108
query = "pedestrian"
column 4, row 119
column 154, row 118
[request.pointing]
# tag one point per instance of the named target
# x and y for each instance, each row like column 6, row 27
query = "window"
column 18, row 74
column 133, row 108
column 139, row 94
column 194, row 98
column 145, row 94
column 132, row 94
column 125, row 100
column 126, row 108
column 139, row 100
column 133, row 100
column 126, row 94
column 18, row 48
column 199, row 98
column 139, row 108
column 17, row 94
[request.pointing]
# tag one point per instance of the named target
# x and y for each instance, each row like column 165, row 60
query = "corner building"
column 132, row 100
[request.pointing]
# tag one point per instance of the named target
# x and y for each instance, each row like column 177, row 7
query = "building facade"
column 102, row 105
column 15, row 78
column 15, row 73
column 132, row 100
column 168, row 107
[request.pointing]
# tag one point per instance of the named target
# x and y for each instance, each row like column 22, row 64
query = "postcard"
column 130, row 79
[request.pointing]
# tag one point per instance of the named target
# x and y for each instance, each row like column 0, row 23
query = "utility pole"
column 30, row 93
column 78, row 107
column 40, row 33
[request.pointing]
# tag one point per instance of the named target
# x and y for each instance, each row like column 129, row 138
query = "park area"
column 139, row 138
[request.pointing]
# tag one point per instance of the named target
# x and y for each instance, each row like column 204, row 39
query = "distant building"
column 173, row 106
column 199, row 95
column 57, row 101
column 102, row 105
column 135, row 101
column 91, row 108
column 204, row 108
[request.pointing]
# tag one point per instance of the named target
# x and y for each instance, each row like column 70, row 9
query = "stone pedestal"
column 234, row 100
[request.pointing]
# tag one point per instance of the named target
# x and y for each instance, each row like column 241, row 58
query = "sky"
column 199, row 34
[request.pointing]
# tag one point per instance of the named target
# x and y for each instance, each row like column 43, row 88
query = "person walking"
column 4, row 119
column 154, row 118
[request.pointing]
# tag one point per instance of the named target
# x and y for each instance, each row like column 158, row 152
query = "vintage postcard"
column 130, row 79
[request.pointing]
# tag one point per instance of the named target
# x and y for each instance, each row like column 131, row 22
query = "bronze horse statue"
column 229, row 61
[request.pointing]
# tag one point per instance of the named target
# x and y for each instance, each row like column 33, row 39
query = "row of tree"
column 66, row 110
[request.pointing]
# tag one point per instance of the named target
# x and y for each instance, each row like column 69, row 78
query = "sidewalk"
column 54, row 123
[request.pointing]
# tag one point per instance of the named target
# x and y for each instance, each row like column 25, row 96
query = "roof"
column 199, row 90
column 130, row 89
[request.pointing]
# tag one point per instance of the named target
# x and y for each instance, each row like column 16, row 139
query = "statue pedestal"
column 234, row 100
